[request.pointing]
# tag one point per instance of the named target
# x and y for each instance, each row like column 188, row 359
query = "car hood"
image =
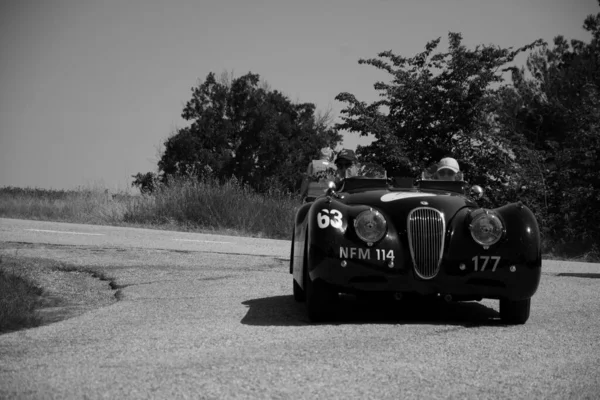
column 398, row 203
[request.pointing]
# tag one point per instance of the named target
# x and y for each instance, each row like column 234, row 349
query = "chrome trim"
column 426, row 229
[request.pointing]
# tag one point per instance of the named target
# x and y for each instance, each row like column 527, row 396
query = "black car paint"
column 319, row 248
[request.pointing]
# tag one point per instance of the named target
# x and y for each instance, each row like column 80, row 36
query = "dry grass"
column 19, row 298
column 207, row 205
column 37, row 291
column 570, row 252
column 89, row 206
column 185, row 204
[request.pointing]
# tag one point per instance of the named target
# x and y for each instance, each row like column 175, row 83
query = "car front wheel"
column 515, row 312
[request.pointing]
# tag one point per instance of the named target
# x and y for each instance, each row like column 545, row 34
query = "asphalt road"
column 206, row 316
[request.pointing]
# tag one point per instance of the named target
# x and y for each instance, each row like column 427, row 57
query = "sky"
column 89, row 90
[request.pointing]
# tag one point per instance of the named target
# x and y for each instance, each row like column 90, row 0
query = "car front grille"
column 426, row 228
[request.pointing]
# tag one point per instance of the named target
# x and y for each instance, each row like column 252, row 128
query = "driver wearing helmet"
column 447, row 169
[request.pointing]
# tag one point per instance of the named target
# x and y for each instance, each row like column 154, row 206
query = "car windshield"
column 431, row 174
column 366, row 170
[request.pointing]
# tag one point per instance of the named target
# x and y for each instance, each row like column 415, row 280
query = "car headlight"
column 486, row 228
column 370, row 226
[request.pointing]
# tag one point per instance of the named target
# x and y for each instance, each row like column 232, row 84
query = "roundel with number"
column 327, row 218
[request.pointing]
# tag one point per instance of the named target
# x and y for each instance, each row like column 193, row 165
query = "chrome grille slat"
column 426, row 232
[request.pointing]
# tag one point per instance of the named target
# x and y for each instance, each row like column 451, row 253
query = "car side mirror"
column 476, row 192
column 331, row 188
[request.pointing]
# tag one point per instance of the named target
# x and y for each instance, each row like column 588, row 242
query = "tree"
column 241, row 127
column 436, row 105
column 554, row 104
column 146, row 183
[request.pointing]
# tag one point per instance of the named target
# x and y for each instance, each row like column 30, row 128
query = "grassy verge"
column 36, row 291
column 19, row 298
column 186, row 204
column 89, row 206
column 228, row 207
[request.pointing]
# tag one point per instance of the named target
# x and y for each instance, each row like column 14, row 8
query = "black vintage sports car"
column 418, row 237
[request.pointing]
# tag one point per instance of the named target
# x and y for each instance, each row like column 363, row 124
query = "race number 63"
column 326, row 218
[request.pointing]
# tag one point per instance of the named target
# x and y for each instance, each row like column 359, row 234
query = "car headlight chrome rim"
column 486, row 228
column 370, row 226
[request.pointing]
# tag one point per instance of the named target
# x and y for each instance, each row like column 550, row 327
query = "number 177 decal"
column 482, row 261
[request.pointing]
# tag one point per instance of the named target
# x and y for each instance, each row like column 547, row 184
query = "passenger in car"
column 447, row 169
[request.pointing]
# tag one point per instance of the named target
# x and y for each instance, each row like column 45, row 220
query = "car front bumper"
column 514, row 281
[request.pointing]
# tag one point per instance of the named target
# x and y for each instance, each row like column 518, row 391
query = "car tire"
column 515, row 312
column 299, row 294
column 320, row 299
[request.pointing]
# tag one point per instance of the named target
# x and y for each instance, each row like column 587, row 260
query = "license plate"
column 361, row 253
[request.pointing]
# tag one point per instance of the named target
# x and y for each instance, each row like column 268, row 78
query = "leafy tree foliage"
column 554, row 106
column 146, row 182
column 435, row 105
column 244, row 129
column 541, row 131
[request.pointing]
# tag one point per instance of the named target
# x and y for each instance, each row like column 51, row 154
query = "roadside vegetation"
column 84, row 205
column 36, row 291
column 19, row 297
column 186, row 204
column 208, row 204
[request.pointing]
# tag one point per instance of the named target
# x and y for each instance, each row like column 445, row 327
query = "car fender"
column 330, row 232
column 519, row 247
column 298, row 242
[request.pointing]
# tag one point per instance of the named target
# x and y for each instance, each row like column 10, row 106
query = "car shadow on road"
column 285, row 311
